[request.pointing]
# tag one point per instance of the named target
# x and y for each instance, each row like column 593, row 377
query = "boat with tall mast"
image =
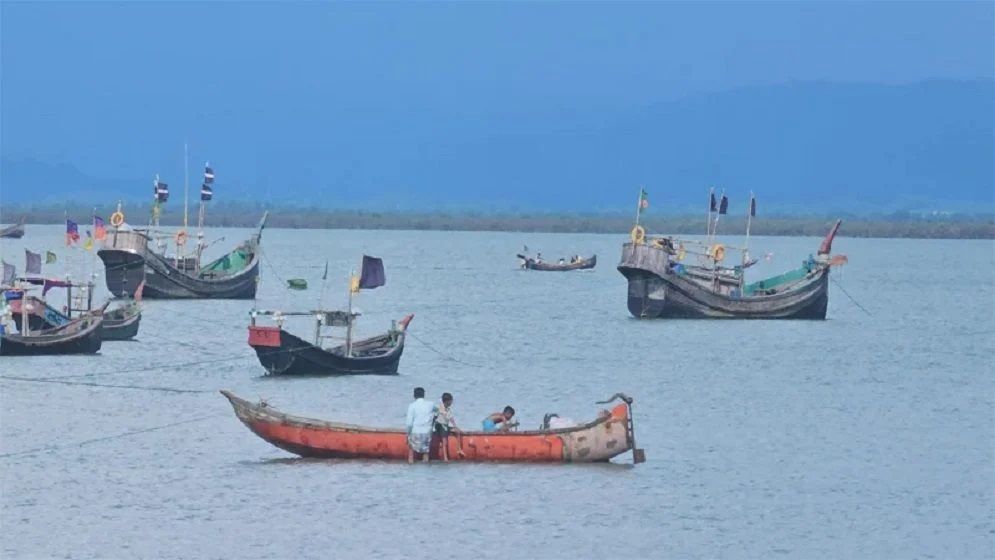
column 132, row 256
column 662, row 285
column 281, row 352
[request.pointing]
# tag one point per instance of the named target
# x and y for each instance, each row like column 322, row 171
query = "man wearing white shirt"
column 421, row 416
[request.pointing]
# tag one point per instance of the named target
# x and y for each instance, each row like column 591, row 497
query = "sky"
column 274, row 88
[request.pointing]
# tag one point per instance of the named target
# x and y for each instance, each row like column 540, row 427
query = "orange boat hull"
column 600, row 440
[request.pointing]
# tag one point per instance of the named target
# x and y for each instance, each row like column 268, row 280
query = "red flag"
column 99, row 229
column 138, row 291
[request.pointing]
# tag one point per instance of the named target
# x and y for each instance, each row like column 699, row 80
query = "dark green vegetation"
column 941, row 226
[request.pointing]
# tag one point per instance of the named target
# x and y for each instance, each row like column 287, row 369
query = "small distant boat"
column 121, row 323
column 283, row 353
column 297, row 284
column 15, row 231
column 608, row 436
column 78, row 336
column 579, row 263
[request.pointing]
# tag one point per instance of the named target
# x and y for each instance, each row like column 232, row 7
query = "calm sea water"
column 864, row 436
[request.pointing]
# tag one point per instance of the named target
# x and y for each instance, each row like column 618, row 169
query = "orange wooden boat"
column 611, row 434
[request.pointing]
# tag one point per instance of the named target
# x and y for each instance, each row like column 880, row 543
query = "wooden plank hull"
column 120, row 325
column 81, row 336
column 282, row 353
column 598, row 441
column 15, row 231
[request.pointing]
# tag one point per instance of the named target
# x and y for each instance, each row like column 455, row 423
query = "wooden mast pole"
column 348, row 329
column 181, row 256
column 200, row 220
column 708, row 219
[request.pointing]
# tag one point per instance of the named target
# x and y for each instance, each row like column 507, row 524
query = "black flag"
column 208, row 175
column 712, row 206
column 33, row 262
column 161, row 191
column 753, row 207
column 206, row 192
column 723, row 205
column 372, row 275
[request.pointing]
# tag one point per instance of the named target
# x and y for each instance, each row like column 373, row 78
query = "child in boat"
column 503, row 418
column 445, row 422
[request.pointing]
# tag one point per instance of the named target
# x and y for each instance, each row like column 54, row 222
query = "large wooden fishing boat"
column 13, row 231
column 132, row 256
column 608, row 436
column 663, row 285
column 579, row 263
column 283, row 353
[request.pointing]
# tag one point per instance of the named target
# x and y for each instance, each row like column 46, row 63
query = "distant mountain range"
column 802, row 147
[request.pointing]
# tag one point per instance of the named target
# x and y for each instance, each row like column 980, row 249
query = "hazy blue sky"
column 114, row 88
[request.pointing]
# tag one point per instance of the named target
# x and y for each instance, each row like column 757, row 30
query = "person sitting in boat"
column 538, row 257
column 562, row 261
column 503, row 418
column 421, row 417
column 445, row 422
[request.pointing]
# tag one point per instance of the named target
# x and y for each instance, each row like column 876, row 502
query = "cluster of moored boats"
column 668, row 277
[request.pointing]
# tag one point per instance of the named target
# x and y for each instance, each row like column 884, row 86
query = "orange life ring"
column 181, row 237
column 117, row 219
column 638, row 235
column 717, row 252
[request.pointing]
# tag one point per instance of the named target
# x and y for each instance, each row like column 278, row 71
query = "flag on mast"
column 372, row 274
column 50, row 257
column 723, row 205
column 712, row 206
column 72, row 232
column 206, row 191
column 753, row 206
column 161, row 190
column 32, row 264
column 644, row 201
column 99, row 229
column 88, row 244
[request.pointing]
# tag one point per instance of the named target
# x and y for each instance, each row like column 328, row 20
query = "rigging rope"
column 106, row 438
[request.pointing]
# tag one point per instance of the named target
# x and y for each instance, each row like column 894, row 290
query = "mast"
column 348, row 329
column 749, row 220
column 205, row 195
column 708, row 219
column 181, row 255
column 639, row 205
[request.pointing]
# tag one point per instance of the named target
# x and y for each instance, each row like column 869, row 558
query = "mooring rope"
column 441, row 353
column 50, row 448
column 91, row 384
column 855, row 302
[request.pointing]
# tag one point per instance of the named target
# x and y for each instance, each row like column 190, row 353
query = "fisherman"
column 503, row 418
column 538, row 257
column 445, row 422
column 421, row 416
column 562, row 261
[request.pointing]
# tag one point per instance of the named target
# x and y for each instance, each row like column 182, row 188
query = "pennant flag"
column 72, row 232
column 50, row 257
column 49, row 283
column 9, row 274
column 138, row 291
column 205, row 192
column 208, row 174
column 99, row 228
column 372, row 275
column 753, row 207
column 33, row 262
column 712, row 206
column 161, row 190
column 88, row 245
column 644, row 201
column 723, row 205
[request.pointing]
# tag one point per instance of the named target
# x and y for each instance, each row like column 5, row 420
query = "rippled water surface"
column 863, row 436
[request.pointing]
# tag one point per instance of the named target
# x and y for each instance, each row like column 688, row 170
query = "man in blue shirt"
column 421, row 416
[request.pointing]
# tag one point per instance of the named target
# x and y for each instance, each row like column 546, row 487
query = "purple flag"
column 373, row 274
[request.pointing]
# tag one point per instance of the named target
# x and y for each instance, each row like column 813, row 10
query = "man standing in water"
column 421, row 416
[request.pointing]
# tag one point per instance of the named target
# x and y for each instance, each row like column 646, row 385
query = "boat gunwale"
column 248, row 411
